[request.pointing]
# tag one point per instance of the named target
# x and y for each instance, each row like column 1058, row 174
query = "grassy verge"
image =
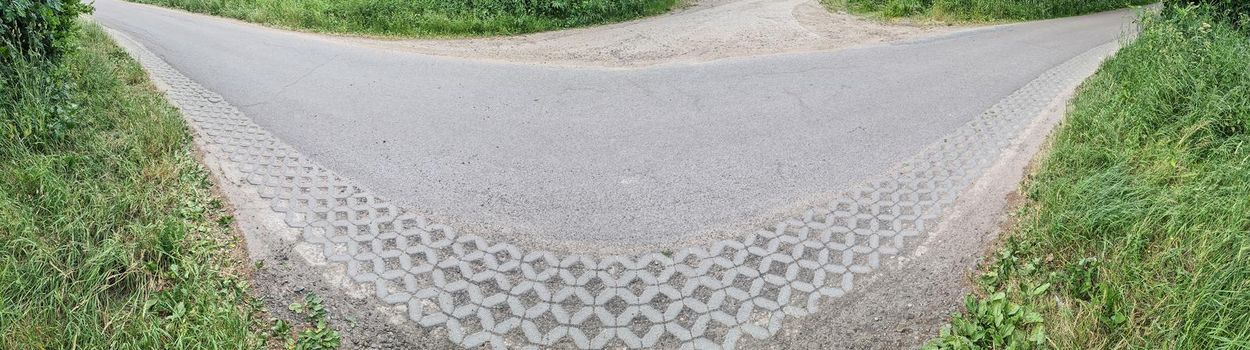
column 426, row 18
column 977, row 10
column 1137, row 230
column 110, row 237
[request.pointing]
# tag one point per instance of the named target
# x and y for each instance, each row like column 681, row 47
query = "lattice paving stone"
column 499, row 294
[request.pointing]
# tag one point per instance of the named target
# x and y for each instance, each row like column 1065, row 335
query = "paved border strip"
column 498, row 294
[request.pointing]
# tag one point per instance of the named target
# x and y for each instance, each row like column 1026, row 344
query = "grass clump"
column 110, row 237
column 425, row 18
column 979, row 10
column 1137, row 230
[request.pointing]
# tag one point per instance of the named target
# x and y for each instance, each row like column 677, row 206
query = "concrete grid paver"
column 501, row 295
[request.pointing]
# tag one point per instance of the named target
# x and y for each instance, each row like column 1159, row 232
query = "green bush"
column 1026, row 9
column 37, row 28
column 984, row 10
column 35, row 105
column 426, row 17
column 1234, row 11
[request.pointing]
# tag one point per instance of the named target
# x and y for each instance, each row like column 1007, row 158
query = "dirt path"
column 707, row 30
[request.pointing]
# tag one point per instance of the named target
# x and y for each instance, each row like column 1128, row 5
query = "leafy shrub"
column 36, row 108
column 37, row 28
column 426, row 17
column 987, row 10
column 1234, row 11
column 1025, row 9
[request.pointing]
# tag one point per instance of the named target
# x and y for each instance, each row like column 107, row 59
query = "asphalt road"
column 626, row 157
column 517, row 205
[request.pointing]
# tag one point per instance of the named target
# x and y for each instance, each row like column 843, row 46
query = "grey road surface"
column 813, row 200
column 647, row 156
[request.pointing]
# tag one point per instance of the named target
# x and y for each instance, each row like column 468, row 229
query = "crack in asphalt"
column 288, row 85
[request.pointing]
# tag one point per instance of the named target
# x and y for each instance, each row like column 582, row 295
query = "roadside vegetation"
column 978, row 10
column 426, row 18
column 110, row 235
column 1136, row 233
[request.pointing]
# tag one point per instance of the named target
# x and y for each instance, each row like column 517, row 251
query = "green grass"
column 426, row 18
column 110, row 237
column 978, row 10
column 1137, row 229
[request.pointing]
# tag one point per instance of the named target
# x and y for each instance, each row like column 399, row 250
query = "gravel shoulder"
column 707, row 30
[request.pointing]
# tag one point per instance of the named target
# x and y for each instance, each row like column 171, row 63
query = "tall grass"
column 1137, row 231
column 109, row 235
column 426, row 17
column 980, row 10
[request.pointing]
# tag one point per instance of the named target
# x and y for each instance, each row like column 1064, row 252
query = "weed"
column 316, row 334
column 997, row 321
column 993, row 322
column 1081, row 279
